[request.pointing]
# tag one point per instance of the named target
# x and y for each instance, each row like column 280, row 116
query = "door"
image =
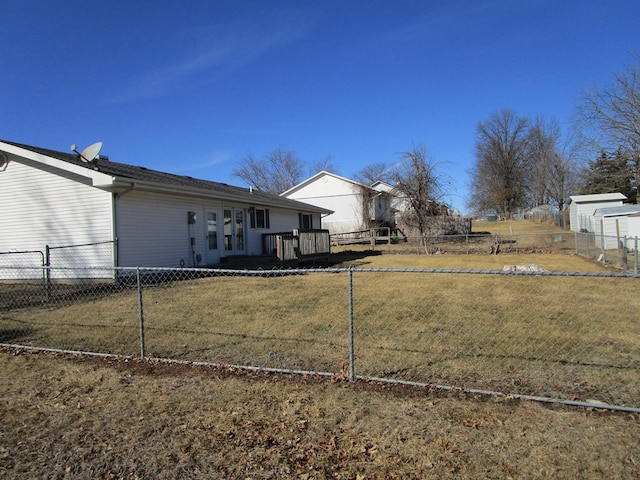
column 234, row 241
column 213, row 249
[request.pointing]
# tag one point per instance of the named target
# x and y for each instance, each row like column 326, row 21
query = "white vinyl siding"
column 40, row 208
column 153, row 230
column 333, row 193
column 612, row 224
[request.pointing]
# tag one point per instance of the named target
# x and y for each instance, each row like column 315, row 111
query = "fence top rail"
column 299, row 271
column 501, row 272
column 195, row 272
column 21, row 251
column 81, row 245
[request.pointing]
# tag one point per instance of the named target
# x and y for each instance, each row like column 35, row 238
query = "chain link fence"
column 619, row 252
column 471, row 244
column 564, row 337
column 80, row 255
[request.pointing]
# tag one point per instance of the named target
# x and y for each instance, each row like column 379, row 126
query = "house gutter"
column 126, row 190
column 207, row 194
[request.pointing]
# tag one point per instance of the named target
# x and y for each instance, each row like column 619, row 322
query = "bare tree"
column 553, row 172
column 374, row 172
column 562, row 181
column 500, row 175
column 543, row 138
column 326, row 164
column 419, row 184
column 276, row 173
column 611, row 117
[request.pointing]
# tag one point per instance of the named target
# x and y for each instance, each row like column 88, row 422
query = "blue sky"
column 192, row 87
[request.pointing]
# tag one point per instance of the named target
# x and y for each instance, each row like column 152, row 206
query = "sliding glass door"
column 234, row 231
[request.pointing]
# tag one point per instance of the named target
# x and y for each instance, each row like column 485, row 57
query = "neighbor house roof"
column 382, row 186
column 615, row 211
column 116, row 176
column 597, row 197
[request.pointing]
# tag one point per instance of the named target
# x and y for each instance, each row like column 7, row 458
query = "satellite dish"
column 90, row 153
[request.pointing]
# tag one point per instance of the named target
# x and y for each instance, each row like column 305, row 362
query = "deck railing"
column 297, row 246
column 370, row 235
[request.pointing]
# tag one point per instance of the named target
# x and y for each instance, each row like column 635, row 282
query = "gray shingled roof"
column 133, row 173
column 621, row 210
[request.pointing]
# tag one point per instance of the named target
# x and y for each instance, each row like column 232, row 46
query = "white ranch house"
column 124, row 215
column 344, row 197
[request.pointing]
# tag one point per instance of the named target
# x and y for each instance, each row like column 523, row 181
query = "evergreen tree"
column 609, row 174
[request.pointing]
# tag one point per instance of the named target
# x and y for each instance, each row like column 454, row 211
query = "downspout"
column 114, row 228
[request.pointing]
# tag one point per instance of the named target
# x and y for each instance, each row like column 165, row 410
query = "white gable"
column 341, row 195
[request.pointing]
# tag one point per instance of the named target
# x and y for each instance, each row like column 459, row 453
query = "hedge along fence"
column 564, row 337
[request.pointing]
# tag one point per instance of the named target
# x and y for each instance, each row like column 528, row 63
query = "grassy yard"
column 533, row 335
column 558, row 336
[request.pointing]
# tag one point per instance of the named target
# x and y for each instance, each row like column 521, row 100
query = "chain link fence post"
column 140, row 311
column 47, row 273
column 352, row 371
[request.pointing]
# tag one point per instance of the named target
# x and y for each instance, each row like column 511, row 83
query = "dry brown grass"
column 551, row 334
column 80, row 418
column 83, row 418
column 514, row 227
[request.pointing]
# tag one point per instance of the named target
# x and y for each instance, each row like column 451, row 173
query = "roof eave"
column 97, row 178
column 121, row 184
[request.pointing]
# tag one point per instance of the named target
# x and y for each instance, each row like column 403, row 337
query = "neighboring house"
column 159, row 219
column 396, row 206
column 355, row 206
column 612, row 224
column 583, row 207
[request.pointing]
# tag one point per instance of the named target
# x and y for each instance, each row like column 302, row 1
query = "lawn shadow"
column 351, row 258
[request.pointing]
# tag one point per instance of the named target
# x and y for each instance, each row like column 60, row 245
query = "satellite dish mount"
column 89, row 154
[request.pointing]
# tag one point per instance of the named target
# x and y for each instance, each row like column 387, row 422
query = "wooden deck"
column 298, row 246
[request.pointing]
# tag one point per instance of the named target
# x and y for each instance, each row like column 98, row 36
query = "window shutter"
column 266, row 218
column 300, row 225
column 252, row 217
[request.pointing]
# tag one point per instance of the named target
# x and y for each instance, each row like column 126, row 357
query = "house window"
column 306, row 221
column 259, row 217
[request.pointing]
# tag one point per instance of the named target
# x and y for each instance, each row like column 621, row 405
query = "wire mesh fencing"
column 571, row 337
column 539, row 334
column 618, row 251
column 29, row 261
column 471, row 244
column 79, row 255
